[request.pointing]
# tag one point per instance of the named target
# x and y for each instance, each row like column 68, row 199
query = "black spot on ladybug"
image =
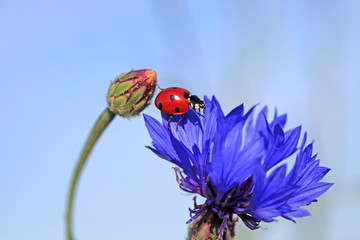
column 172, row 97
column 160, row 105
column 186, row 95
column 177, row 109
column 175, row 87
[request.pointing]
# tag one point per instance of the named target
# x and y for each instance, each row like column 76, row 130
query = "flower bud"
column 130, row 93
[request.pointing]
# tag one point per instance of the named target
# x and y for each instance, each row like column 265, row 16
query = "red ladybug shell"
column 173, row 100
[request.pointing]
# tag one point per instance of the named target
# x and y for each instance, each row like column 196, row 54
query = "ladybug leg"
column 200, row 114
column 169, row 122
column 160, row 88
column 177, row 125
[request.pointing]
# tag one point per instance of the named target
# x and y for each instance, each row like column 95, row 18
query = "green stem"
column 102, row 122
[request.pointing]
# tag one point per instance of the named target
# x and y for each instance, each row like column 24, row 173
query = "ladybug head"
column 197, row 103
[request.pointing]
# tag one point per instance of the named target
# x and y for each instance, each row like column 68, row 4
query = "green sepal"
column 122, row 88
column 135, row 97
column 119, row 102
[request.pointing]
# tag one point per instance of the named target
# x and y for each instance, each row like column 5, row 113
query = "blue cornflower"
column 236, row 163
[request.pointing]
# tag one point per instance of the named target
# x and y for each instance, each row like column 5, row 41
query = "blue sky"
column 58, row 57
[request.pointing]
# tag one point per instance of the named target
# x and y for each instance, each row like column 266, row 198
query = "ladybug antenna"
column 159, row 87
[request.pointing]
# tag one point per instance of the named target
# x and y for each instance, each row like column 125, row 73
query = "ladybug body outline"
column 173, row 101
column 176, row 101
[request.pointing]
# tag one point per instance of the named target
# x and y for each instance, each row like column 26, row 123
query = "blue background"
column 57, row 59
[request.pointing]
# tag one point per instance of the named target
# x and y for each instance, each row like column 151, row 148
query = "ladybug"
column 176, row 101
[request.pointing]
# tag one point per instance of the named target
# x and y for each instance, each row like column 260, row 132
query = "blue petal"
column 161, row 140
column 299, row 212
column 275, row 181
column 320, row 173
column 309, row 194
column 185, row 156
column 282, row 149
column 189, row 131
column 247, row 159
